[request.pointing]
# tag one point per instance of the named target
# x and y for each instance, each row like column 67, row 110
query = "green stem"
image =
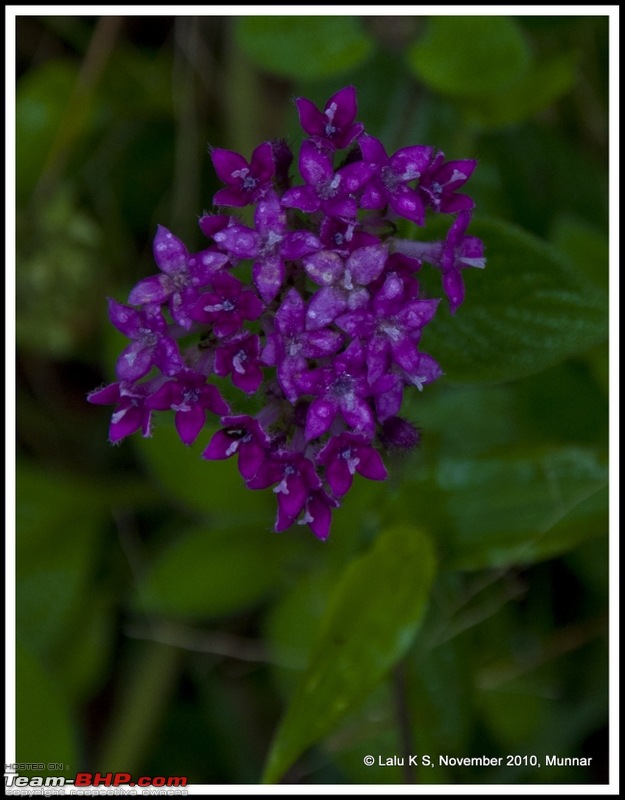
column 403, row 721
column 139, row 708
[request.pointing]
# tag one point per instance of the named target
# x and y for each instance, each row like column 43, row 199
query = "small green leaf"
column 305, row 48
column 371, row 619
column 527, row 310
column 44, row 730
column 470, row 56
column 207, row 573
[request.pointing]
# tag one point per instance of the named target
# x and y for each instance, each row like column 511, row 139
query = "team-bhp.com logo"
column 14, row 781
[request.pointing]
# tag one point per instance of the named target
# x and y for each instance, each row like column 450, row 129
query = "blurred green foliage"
column 459, row 608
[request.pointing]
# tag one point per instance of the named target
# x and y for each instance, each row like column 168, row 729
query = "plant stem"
column 139, row 708
column 403, row 721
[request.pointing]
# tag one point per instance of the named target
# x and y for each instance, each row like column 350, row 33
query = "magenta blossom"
column 226, row 306
column 393, row 176
column 347, row 454
column 190, row 397
column 151, row 345
column 243, row 436
column 441, row 180
column 308, row 308
column 270, row 244
column 332, row 192
column 239, row 357
column 131, row 411
column 334, row 127
column 183, row 276
column 246, row 183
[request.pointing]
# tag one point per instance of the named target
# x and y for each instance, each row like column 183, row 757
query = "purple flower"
column 344, row 237
column 290, row 345
column 226, row 306
column 183, row 275
column 322, row 325
column 317, row 513
column 242, row 435
column 334, row 127
column 390, row 329
column 246, row 183
column 270, row 245
column 190, row 397
column 345, row 455
column 388, row 394
column 239, row 357
column 296, row 478
column 340, row 388
column 440, row 181
column 392, row 176
column 342, row 282
column 131, row 413
column 151, row 346
column 459, row 252
column 326, row 190
column 210, row 224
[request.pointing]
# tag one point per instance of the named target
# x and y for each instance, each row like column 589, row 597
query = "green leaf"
column 371, row 619
column 209, row 573
column 303, row 48
column 528, row 309
column 544, row 83
column 470, row 56
column 517, row 509
column 44, row 730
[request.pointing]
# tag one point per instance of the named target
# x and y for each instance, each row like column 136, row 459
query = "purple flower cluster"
column 326, row 335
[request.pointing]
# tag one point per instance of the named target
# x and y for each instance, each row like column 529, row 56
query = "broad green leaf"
column 44, row 729
column 371, row 619
column 304, row 48
column 470, row 56
column 517, row 509
column 544, row 83
column 528, row 309
column 209, row 573
column 371, row 728
column 291, row 624
column 213, row 487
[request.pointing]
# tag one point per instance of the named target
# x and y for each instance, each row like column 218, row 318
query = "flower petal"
column 324, row 307
column 190, row 423
column 320, row 417
column 155, row 289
